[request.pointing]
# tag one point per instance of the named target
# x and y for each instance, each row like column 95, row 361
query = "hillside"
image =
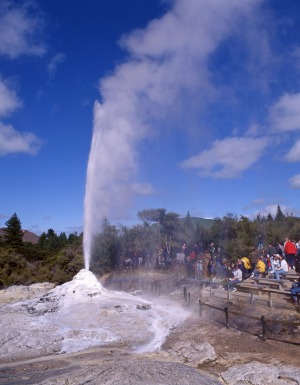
column 28, row 236
column 203, row 222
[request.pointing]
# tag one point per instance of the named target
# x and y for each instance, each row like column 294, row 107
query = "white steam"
column 167, row 65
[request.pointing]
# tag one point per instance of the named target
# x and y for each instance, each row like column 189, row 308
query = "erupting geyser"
column 111, row 165
column 81, row 314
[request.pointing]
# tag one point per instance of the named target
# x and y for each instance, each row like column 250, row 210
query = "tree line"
column 235, row 236
column 54, row 258
column 57, row 258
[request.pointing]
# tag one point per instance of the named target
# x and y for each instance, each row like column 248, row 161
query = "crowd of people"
column 211, row 261
column 273, row 262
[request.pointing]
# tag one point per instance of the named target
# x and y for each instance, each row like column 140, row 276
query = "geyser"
column 81, row 314
column 111, row 166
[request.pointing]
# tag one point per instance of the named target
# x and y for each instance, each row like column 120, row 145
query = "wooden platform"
column 271, row 282
column 255, row 292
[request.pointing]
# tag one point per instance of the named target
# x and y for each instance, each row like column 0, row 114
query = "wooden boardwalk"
column 267, row 291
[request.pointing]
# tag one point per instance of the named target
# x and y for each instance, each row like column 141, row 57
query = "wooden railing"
column 263, row 320
column 227, row 311
column 255, row 289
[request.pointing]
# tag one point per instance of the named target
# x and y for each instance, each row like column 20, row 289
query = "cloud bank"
column 56, row 60
column 227, row 158
column 20, row 31
column 13, row 142
column 295, row 182
column 285, row 113
column 9, row 101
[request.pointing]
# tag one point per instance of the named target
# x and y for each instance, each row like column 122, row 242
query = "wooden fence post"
column 189, row 298
column 200, row 308
column 228, row 292
column 226, row 316
column 263, row 326
column 270, row 299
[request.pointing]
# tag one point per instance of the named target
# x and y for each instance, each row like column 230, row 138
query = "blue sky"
column 193, row 106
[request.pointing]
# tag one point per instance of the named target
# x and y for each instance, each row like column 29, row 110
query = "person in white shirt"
column 237, row 278
column 282, row 269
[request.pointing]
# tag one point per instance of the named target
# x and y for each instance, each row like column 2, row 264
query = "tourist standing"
column 290, row 252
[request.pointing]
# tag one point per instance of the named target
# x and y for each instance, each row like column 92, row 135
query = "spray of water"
column 167, row 67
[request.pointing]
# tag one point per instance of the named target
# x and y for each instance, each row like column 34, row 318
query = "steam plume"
column 167, row 59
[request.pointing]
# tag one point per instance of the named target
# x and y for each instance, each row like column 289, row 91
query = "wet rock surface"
column 138, row 373
column 256, row 373
column 196, row 351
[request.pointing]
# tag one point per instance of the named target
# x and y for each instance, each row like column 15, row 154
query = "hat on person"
column 278, row 255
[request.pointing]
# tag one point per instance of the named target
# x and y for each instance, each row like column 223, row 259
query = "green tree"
column 62, row 240
column 246, row 233
column 152, row 216
column 169, row 227
column 188, row 230
column 74, row 238
column 43, row 240
column 51, row 242
column 13, row 231
column 279, row 214
column 106, row 249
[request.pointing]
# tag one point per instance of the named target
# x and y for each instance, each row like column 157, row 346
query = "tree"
column 151, row 215
column 62, row 240
column 246, row 232
column 187, row 229
column 279, row 214
column 13, row 232
column 74, row 238
column 106, row 249
column 188, row 221
column 50, row 241
column 169, row 223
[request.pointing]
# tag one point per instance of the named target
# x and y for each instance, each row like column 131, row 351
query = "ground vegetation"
column 54, row 258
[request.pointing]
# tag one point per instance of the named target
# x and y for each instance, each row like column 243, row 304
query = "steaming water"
column 82, row 314
column 88, row 203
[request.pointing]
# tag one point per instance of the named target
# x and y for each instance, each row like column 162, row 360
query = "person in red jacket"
column 290, row 252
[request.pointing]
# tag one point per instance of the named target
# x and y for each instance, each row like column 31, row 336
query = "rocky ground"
column 200, row 350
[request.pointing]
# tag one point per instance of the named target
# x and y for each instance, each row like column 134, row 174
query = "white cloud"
column 285, row 114
column 20, row 30
column 272, row 209
column 54, row 63
column 12, row 141
column 9, row 101
column 227, row 158
column 295, row 181
column 255, row 203
column 294, row 154
column 143, row 189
